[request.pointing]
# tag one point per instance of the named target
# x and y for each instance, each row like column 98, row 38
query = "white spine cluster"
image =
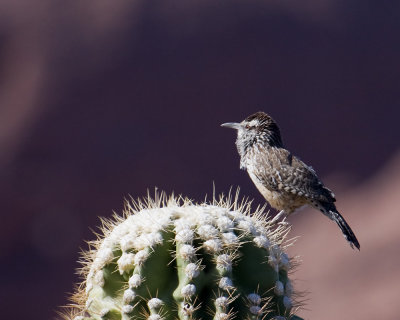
column 255, row 301
column 192, row 270
column 284, row 261
column 188, row 291
column 279, row 289
column 155, row 303
column 126, row 262
column 262, row 242
column 287, row 302
column 187, row 252
column 225, row 283
column 225, row 224
column 230, row 239
column 222, row 305
column 222, row 302
column 99, row 278
column 213, row 245
column 140, row 257
column 129, row 296
column 224, row 262
column 222, row 316
column 135, row 281
column 155, row 306
column 207, row 232
column 127, row 308
column 288, row 288
column 185, row 236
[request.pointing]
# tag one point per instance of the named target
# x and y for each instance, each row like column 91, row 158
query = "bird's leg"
column 281, row 215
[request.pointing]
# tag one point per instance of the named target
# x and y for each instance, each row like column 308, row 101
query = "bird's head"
column 258, row 128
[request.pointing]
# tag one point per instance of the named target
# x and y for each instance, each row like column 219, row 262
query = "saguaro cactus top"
column 171, row 259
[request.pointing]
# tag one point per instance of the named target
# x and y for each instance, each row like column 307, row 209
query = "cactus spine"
column 170, row 259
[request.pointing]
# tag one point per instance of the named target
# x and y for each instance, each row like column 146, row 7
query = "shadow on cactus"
column 168, row 259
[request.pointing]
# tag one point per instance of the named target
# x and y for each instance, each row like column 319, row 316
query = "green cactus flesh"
column 170, row 260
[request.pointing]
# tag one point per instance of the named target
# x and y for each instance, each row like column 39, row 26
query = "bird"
column 285, row 181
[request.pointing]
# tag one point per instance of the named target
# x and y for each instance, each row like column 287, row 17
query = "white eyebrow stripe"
column 253, row 123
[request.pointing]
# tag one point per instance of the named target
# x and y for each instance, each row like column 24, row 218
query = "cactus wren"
column 284, row 180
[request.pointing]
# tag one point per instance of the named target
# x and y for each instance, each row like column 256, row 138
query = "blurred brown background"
column 103, row 99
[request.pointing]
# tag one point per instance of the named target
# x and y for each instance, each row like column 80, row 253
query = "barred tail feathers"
column 329, row 209
column 346, row 230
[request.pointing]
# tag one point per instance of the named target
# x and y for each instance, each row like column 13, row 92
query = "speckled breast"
column 279, row 199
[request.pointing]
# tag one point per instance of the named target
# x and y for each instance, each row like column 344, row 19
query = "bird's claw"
column 283, row 223
column 276, row 219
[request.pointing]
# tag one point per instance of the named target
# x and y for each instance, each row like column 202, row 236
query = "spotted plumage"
column 285, row 181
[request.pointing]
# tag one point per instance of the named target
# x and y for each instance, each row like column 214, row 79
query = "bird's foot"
column 284, row 222
column 279, row 216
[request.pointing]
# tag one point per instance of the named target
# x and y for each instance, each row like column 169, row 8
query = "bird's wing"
column 280, row 170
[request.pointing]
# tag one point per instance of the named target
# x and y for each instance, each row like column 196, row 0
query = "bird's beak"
column 232, row 125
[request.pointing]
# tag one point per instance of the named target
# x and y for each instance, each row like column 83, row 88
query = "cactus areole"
column 169, row 259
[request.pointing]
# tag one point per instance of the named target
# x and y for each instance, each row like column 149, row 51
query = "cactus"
column 168, row 259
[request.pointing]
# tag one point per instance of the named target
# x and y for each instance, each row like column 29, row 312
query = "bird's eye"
column 247, row 126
